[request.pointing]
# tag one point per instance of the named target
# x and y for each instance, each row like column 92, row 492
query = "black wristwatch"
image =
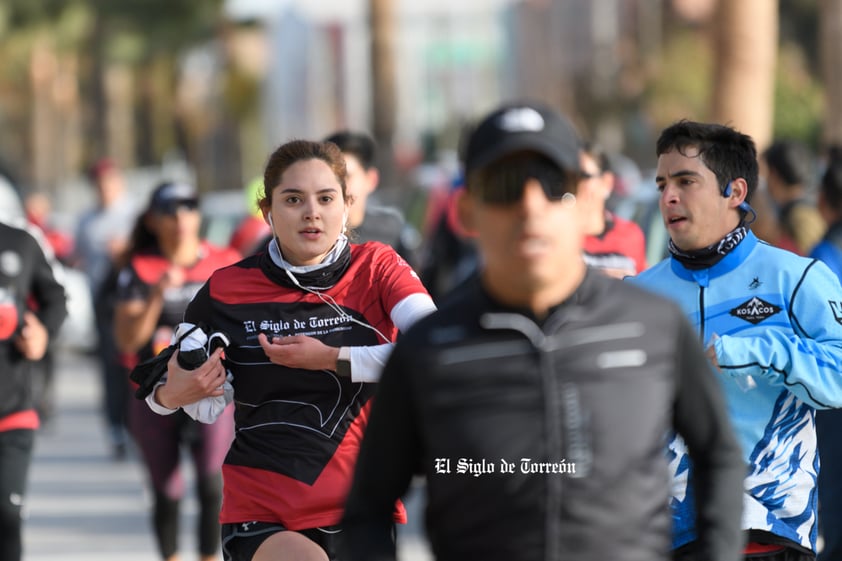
column 343, row 362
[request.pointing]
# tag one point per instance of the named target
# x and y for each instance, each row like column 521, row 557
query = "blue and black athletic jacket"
column 775, row 321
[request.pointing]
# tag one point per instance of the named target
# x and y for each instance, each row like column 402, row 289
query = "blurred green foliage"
column 131, row 29
column 799, row 99
column 682, row 82
column 78, row 40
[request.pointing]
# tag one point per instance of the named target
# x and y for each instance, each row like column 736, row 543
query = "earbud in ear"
column 727, row 191
column 750, row 215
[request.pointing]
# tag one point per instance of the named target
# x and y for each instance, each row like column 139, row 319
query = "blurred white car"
column 222, row 212
column 78, row 332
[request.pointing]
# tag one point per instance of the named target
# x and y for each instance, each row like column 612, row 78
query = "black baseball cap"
column 168, row 196
column 518, row 127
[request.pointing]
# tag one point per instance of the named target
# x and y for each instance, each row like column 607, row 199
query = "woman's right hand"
column 189, row 386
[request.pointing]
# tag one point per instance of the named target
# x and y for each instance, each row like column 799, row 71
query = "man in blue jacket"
column 772, row 325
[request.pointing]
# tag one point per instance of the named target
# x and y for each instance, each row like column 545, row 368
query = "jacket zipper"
column 553, row 415
column 702, row 314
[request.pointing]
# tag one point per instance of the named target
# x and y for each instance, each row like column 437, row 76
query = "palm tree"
column 830, row 32
column 746, row 44
column 89, row 65
column 383, row 99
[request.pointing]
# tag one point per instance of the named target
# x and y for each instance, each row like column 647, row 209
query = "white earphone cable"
column 326, row 298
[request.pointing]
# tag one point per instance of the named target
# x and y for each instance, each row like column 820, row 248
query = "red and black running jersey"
column 145, row 269
column 621, row 246
column 298, row 431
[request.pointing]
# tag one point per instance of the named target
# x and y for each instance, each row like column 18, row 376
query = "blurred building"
column 317, row 74
column 453, row 60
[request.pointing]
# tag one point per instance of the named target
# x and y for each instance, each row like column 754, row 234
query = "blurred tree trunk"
column 69, row 100
column 830, row 34
column 384, row 103
column 156, row 110
column 55, row 116
column 548, row 77
column 96, row 97
column 120, row 85
column 745, row 47
column 42, row 72
column 146, row 125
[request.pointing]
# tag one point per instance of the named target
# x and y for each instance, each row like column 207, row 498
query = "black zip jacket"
column 24, row 273
column 546, row 440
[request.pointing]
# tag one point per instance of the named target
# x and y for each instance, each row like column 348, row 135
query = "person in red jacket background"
column 612, row 244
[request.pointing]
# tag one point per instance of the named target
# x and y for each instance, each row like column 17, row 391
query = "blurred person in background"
column 369, row 220
column 39, row 210
column 829, row 422
column 614, row 245
column 252, row 233
column 767, row 226
column 311, row 320
column 788, row 167
column 449, row 254
column 101, row 236
column 25, row 274
column 166, row 264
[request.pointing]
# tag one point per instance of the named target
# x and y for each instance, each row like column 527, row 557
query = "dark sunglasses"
column 171, row 208
column 502, row 182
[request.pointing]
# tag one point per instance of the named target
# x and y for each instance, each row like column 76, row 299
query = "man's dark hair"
column 831, row 185
column 791, row 161
column 728, row 153
column 357, row 144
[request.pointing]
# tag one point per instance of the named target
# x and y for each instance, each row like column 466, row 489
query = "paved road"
column 84, row 506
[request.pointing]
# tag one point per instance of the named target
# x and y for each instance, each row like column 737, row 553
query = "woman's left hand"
column 299, row 351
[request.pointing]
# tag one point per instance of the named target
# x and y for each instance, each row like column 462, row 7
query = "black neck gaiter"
column 319, row 279
column 712, row 254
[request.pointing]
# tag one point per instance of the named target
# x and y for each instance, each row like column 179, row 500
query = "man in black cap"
column 537, row 400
